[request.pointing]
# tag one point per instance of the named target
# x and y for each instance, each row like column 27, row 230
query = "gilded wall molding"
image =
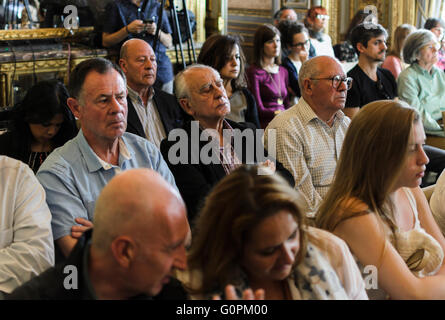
column 333, row 9
column 258, row 13
column 199, row 9
column 44, row 33
column 391, row 13
column 42, row 65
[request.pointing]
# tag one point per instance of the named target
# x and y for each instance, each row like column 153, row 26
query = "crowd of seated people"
column 285, row 179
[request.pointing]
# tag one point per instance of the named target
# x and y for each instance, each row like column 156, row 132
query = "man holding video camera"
column 127, row 19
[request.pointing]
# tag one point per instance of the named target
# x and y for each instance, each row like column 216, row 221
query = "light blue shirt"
column 73, row 177
column 425, row 92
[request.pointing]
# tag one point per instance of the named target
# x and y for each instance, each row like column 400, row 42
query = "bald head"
column 134, row 202
column 312, row 68
column 138, row 62
column 133, row 45
column 318, row 89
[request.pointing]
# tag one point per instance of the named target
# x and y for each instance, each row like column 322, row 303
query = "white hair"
column 181, row 86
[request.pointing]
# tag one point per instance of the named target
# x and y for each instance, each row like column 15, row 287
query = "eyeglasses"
column 301, row 44
column 322, row 16
column 337, row 81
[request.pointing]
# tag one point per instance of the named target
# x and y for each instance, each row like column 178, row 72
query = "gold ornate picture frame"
column 297, row 4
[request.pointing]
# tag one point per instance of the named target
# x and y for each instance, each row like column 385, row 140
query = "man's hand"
column 150, row 28
column 77, row 231
column 136, row 26
column 248, row 294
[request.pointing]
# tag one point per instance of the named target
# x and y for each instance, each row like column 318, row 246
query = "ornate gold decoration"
column 250, row 13
column 10, row 70
column 333, row 8
column 44, row 33
column 199, row 9
column 391, row 13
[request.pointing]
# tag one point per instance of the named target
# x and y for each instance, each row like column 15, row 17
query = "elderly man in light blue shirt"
column 74, row 174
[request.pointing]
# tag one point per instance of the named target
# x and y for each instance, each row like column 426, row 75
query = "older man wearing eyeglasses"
column 316, row 21
column 309, row 135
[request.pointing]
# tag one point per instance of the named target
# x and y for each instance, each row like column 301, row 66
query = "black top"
column 13, row 146
column 251, row 114
column 293, row 76
column 364, row 90
column 194, row 178
column 36, row 159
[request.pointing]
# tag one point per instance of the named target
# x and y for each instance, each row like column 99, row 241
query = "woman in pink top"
column 393, row 61
column 267, row 80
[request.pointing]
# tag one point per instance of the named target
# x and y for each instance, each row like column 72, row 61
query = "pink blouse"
column 393, row 64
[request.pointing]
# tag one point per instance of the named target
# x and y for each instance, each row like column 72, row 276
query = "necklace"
column 280, row 99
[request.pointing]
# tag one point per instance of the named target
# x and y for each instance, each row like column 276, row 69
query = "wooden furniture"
column 31, row 55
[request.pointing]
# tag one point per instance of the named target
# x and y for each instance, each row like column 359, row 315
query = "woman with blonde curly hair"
column 252, row 233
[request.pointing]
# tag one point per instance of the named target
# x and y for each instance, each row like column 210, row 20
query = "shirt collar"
column 418, row 68
column 123, row 152
column 308, row 114
column 214, row 134
column 134, row 96
column 93, row 162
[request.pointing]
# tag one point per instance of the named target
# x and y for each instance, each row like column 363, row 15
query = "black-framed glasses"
column 337, row 81
column 301, row 44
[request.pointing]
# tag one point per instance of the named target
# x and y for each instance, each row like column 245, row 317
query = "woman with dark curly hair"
column 40, row 123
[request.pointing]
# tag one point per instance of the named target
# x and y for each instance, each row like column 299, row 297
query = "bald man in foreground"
column 138, row 241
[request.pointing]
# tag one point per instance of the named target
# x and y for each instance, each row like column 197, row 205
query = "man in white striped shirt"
column 309, row 135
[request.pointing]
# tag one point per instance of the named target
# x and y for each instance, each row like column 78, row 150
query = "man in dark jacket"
column 211, row 146
column 152, row 113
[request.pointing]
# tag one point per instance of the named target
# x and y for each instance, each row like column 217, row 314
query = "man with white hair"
column 200, row 92
column 309, row 136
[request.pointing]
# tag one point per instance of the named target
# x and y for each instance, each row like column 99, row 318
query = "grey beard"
column 316, row 35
